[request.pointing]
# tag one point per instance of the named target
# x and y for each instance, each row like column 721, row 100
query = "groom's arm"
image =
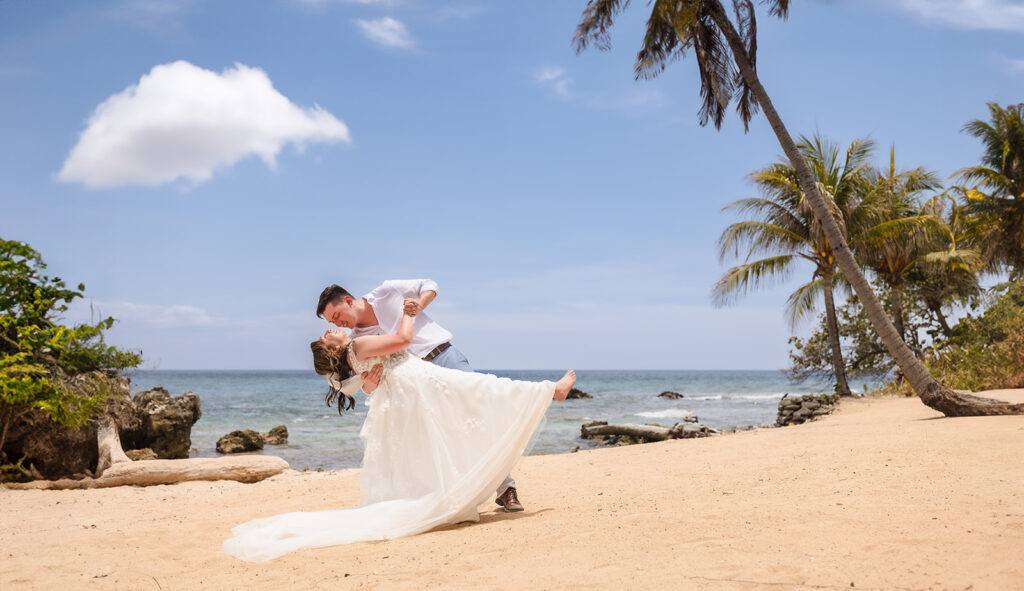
column 422, row 290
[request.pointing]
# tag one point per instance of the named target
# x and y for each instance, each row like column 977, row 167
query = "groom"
column 380, row 312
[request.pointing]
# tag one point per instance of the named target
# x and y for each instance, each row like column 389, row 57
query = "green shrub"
column 38, row 354
column 986, row 352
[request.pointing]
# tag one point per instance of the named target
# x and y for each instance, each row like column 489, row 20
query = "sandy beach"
column 883, row 494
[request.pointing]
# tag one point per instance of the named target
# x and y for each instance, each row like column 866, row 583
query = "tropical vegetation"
column 786, row 230
column 39, row 355
column 725, row 50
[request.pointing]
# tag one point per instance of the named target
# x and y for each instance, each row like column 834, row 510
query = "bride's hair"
column 329, row 363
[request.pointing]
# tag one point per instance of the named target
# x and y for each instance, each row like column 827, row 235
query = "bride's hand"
column 411, row 307
column 372, row 378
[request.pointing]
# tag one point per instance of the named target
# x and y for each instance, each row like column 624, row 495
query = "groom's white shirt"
column 388, row 301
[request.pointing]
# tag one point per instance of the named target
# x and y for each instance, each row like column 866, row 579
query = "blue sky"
column 568, row 213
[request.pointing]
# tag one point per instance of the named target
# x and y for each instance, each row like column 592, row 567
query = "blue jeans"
column 452, row 358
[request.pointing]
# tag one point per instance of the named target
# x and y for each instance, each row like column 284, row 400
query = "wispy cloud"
column 559, row 82
column 1014, row 65
column 183, row 122
column 460, row 11
column 386, row 31
column 998, row 15
column 556, row 79
column 151, row 14
column 147, row 314
column 319, row 5
column 632, row 99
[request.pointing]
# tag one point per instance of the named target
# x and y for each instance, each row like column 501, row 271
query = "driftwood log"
column 116, row 469
column 151, row 472
column 647, row 432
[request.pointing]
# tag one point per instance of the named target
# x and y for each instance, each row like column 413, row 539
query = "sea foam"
column 665, row 414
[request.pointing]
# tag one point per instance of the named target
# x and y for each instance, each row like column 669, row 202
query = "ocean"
column 319, row 438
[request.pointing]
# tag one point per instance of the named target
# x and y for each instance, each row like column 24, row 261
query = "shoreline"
column 884, row 493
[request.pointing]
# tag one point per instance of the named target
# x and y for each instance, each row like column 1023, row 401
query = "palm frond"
column 802, row 302
column 740, row 280
column 597, row 20
column 889, row 230
column 661, row 43
column 746, row 23
column 968, row 259
column 715, row 66
column 760, row 237
column 779, row 8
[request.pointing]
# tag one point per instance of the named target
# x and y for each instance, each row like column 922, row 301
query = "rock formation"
column 240, row 441
column 577, row 393
column 794, row 410
column 276, row 436
column 166, row 422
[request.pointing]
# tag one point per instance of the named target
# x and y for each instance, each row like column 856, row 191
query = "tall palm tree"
column 726, row 56
column 787, row 231
column 997, row 198
column 899, row 230
column 948, row 274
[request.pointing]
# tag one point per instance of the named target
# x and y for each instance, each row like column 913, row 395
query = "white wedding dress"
column 437, row 443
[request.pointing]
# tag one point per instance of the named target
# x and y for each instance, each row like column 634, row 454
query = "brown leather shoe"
column 509, row 501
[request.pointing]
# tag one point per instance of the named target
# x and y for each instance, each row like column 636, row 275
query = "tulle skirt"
column 437, row 443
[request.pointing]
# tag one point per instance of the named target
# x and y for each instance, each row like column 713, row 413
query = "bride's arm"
column 374, row 345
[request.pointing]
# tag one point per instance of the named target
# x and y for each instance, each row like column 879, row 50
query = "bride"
column 437, row 442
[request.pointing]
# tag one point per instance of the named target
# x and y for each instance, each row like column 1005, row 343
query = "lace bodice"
column 388, row 361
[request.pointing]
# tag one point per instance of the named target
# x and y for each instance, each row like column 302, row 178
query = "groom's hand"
column 411, row 306
column 372, row 378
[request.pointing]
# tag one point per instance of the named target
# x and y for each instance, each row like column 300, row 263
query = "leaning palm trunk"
column 842, row 388
column 933, row 393
column 896, row 303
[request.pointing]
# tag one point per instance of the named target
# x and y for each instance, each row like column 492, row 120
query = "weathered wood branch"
column 109, row 443
column 649, row 432
column 151, row 472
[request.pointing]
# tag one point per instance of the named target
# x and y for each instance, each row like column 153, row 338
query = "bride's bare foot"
column 565, row 384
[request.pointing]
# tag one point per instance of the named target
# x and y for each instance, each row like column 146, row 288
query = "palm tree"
column 787, row 231
column 726, row 60
column 899, row 230
column 948, row 274
column 997, row 199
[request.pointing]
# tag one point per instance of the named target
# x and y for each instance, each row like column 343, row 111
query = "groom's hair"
column 332, row 294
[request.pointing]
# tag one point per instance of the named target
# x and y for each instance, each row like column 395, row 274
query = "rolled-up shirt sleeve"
column 409, row 288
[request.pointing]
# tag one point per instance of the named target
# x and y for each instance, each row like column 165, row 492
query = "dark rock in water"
column 276, row 436
column 141, row 454
column 240, row 441
column 577, row 393
column 670, row 394
column 167, row 421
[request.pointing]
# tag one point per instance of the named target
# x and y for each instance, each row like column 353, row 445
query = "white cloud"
column 556, row 79
column 999, row 15
column 386, row 31
column 145, row 314
column 183, row 122
column 1015, row 65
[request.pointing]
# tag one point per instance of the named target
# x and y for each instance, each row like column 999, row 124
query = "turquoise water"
column 319, row 438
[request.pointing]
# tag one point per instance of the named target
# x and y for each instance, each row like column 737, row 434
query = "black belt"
column 437, row 351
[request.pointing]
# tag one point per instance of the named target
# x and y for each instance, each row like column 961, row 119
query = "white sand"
column 883, row 494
